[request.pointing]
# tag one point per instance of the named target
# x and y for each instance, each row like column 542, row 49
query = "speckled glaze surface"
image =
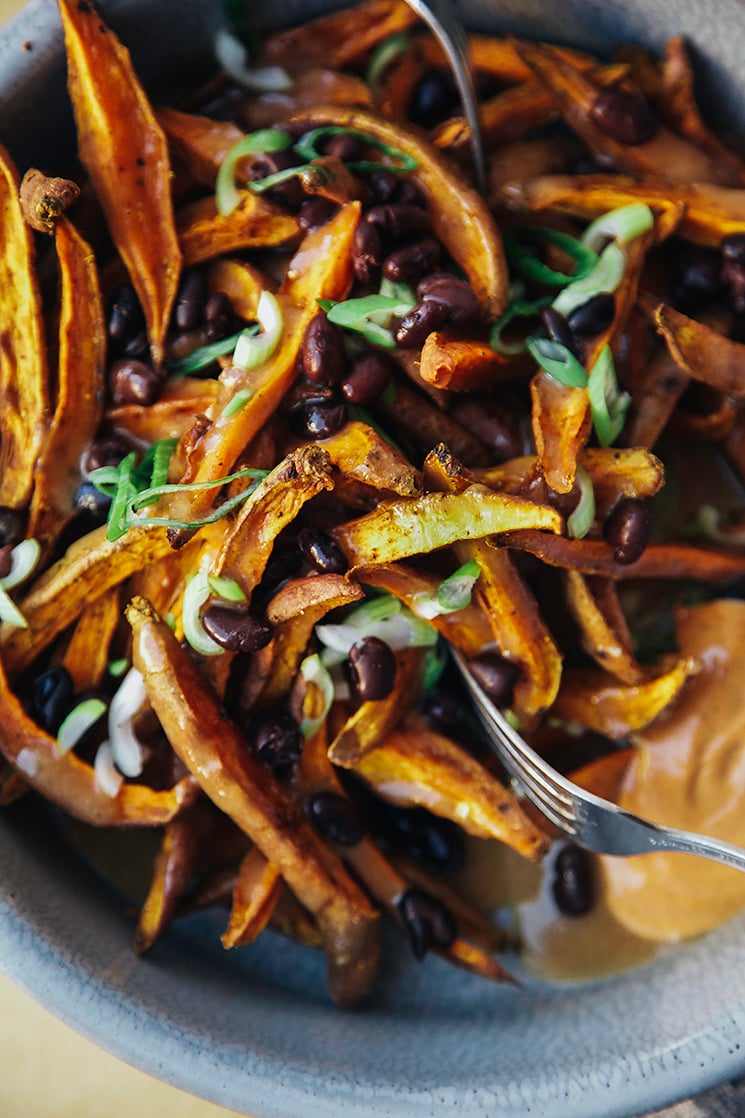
column 254, row 1030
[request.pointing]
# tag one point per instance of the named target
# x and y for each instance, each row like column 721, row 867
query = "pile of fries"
column 492, row 495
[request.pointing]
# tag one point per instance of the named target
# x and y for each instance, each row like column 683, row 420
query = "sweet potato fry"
column 709, row 213
column 203, row 233
column 294, row 611
column 525, row 159
column 399, row 528
column 420, row 423
column 449, row 361
column 415, row 766
column 89, row 568
column 703, row 353
column 320, row 269
column 362, row 455
column 561, row 426
column 373, row 720
column 665, row 153
column 517, row 625
column 12, row 785
column 125, row 153
column 214, row 751
column 595, row 557
column 316, row 86
column 24, row 386
column 460, row 217
column 654, row 400
column 599, row 702
column 337, row 39
column 200, row 142
column 71, row 783
column 608, row 645
column 255, row 895
column 87, row 654
column 80, row 386
column 172, row 414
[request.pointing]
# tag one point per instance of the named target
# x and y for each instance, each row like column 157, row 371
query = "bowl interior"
column 254, row 1030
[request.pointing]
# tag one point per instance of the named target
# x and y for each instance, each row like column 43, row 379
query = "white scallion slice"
column 606, row 276
column 196, row 594
column 621, row 225
column 399, row 630
column 78, row 722
column 253, row 349
column 10, row 613
column 316, row 676
column 126, row 748
column 106, row 774
column 23, row 560
column 232, row 56
column 580, row 521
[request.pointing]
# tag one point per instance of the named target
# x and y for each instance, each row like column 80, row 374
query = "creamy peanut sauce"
column 687, row 770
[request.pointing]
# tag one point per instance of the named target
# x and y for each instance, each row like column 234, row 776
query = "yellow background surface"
column 48, row 1071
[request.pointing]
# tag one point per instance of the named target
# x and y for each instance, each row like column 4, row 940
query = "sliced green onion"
column 378, row 608
column 23, row 559
column 237, row 403
column 621, row 225
column 126, row 490
column 371, row 316
column 384, row 54
column 251, row 349
column 10, row 613
column 316, row 674
column 400, row 291
column 559, row 362
column 606, row 276
column 580, row 521
column 232, row 57
column 520, row 308
column 197, row 593
column 154, row 466
column 117, row 668
column 527, row 264
column 435, row 661
column 78, row 722
column 307, row 148
column 227, row 194
column 608, row 404
column 309, row 173
column 226, row 588
column 455, row 591
column 149, row 495
column 205, row 355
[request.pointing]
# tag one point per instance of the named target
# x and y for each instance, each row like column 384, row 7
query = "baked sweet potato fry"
column 703, row 353
column 255, row 894
column 337, row 39
column 213, row 750
column 125, row 153
column 203, row 233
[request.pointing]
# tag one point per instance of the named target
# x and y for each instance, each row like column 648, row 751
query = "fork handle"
column 686, row 842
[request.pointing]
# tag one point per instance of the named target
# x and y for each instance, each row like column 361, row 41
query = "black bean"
column 574, row 882
column 367, row 253
column 409, row 193
column 433, row 99
column 443, row 710
column 125, row 315
column 219, row 316
column 496, row 675
column 410, row 262
column 697, row 279
column 372, row 669
column 369, row 376
column 383, row 184
column 323, row 357
column 429, row 923
column 594, row 316
column 92, row 501
column 276, row 739
column 190, row 299
column 500, row 428
column 290, row 192
column 733, row 248
column 137, row 346
column 52, row 698
column 396, row 221
column 321, row 551
column 133, row 382
column 237, row 630
column 284, row 563
column 734, row 588
column 334, row 817
column 104, row 452
column 11, row 527
column 318, row 418
column 437, row 844
column 732, row 274
column 418, row 324
column 624, row 115
column 345, row 146
column 454, row 294
column 315, row 212
column 627, row 529
column 558, row 330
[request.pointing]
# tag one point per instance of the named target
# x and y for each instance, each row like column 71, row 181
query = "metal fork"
column 443, row 19
column 588, row 820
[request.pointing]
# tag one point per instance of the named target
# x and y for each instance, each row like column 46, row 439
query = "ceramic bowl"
column 254, row 1030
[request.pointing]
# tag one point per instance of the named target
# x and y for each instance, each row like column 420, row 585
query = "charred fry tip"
column 44, row 199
